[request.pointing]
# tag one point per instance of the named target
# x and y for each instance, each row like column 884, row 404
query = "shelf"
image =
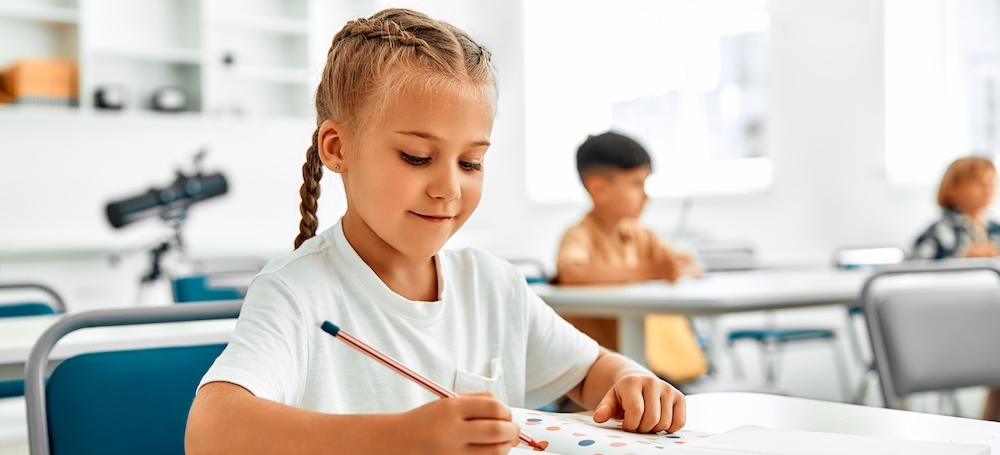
column 162, row 55
column 41, row 13
column 268, row 74
column 266, row 24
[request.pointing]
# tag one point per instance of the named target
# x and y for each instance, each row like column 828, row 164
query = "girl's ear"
column 330, row 146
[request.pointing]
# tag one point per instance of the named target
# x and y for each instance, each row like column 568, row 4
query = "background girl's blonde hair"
column 370, row 61
column 960, row 171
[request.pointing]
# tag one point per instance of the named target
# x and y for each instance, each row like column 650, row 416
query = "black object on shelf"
column 110, row 97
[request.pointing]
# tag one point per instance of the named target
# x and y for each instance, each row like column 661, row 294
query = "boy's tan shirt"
column 631, row 245
column 671, row 348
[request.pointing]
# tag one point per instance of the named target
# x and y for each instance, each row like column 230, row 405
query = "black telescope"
column 182, row 193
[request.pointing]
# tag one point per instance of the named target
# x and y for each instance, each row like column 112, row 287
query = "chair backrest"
column 722, row 255
column 22, row 306
column 216, row 279
column 117, row 402
column 934, row 333
column 200, row 288
column 868, row 256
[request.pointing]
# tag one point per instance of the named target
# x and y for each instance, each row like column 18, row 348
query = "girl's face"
column 975, row 194
column 418, row 176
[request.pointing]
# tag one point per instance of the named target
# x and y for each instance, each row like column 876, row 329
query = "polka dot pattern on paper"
column 578, row 434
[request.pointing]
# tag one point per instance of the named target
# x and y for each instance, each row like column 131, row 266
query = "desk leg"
column 632, row 337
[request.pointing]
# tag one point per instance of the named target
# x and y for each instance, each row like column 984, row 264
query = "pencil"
column 392, row 363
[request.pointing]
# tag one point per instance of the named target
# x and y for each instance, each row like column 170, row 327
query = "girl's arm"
column 226, row 418
column 616, row 387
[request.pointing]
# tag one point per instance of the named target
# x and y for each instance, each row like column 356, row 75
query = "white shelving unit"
column 232, row 58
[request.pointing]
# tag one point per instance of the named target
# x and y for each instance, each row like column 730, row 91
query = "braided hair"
column 369, row 61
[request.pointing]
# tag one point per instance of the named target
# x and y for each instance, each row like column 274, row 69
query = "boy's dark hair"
column 610, row 151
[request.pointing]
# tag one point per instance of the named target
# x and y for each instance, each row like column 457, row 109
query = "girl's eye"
column 471, row 166
column 414, row 160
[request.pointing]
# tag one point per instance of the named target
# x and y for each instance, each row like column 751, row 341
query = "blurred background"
column 793, row 126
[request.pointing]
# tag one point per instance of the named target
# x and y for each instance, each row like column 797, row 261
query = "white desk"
column 18, row 335
column 720, row 412
column 712, row 294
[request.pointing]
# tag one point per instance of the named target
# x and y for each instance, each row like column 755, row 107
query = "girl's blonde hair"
column 961, row 170
column 373, row 59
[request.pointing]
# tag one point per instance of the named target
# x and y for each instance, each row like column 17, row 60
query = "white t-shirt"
column 488, row 331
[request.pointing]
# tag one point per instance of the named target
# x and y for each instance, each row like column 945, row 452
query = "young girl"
column 404, row 114
column 965, row 195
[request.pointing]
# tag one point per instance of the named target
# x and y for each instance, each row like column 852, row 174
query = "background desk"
column 712, row 294
column 18, row 335
column 719, row 412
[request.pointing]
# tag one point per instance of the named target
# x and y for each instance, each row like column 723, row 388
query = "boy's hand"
column 676, row 265
column 669, row 269
column 470, row 423
column 645, row 403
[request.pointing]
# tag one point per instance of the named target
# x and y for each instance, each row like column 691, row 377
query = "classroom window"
column 942, row 85
column 686, row 78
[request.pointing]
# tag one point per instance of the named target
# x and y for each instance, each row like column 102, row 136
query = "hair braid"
column 312, row 172
column 386, row 29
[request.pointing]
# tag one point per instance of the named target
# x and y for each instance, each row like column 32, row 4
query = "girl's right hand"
column 981, row 249
column 468, row 424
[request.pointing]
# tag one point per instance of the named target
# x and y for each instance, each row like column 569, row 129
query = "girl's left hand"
column 645, row 403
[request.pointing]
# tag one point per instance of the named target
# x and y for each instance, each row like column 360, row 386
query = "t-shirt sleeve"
column 265, row 351
column 559, row 356
column 574, row 248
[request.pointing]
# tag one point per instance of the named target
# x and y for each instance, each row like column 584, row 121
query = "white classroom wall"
column 826, row 140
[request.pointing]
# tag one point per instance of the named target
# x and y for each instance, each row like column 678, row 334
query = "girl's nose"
column 445, row 184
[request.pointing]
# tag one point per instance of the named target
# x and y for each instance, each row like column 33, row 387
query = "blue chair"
column 118, row 402
column 773, row 338
column 52, row 304
column 216, row 279
column 199, row 288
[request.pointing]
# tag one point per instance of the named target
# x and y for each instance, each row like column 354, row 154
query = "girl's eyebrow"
column 433, row 138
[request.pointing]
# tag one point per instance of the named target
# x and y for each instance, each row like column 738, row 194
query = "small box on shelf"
column 42, row 81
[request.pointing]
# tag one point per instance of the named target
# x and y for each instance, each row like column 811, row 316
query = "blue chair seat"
column 11, row 388
column 16, row 310
column 775, row 335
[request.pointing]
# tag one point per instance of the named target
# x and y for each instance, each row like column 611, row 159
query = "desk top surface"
column 730, row 292
column 720, row 412
column 713, row 293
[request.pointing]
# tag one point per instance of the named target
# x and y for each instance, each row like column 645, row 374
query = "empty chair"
column 20, row 303
column 24, row 301
column 218, row 279
column 117, row 402
column 871, row 257
column 936, row 331
column 773, row 339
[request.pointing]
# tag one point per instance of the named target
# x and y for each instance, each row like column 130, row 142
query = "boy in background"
column 610, row 246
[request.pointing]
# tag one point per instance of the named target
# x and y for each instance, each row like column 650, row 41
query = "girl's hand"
column 646, row 404
column 468, row 424
column 981, row 249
